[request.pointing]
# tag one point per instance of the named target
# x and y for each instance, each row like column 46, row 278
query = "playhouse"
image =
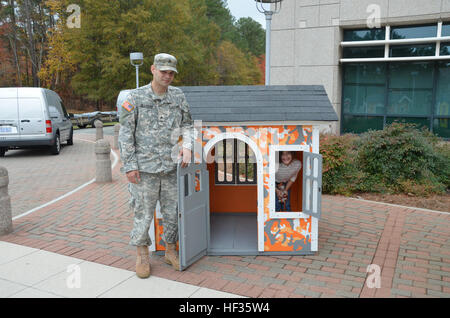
column 227, row 197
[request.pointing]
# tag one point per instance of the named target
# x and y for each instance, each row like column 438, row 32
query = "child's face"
column 286, row 157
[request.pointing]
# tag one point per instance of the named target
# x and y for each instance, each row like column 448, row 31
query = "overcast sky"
column 246, row 8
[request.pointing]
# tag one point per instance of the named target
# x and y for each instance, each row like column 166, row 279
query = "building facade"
column 380, row 61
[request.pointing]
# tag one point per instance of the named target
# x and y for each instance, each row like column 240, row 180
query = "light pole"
column 137, row 59
column 268, row 13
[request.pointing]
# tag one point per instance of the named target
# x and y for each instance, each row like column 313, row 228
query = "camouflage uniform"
column 151, row 127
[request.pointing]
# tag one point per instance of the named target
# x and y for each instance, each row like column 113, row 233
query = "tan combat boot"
column 171, row 256
column 142, row 262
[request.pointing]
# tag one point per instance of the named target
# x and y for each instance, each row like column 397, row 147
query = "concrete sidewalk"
column 27, row 272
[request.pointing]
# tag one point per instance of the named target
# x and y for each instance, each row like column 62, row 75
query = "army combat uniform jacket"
column 151, row 128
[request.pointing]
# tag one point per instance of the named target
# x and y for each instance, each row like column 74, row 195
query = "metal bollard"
column 5, row 203
column 99, row 129
column 116, row 136
column 103, row 161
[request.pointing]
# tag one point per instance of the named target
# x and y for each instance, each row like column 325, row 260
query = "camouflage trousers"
column 144, row 195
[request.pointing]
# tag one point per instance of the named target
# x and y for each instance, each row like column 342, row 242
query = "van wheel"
column 3, row 150
column 56, row 148
column 70, row 140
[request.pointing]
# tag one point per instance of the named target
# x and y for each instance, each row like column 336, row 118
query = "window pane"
column 364, row 35
column 445, row 48
column 241, row 168
column 220, row 172
column 251, row 173
column 360, row 124
column 443, row 90
column 219, row 152
column 411, row 75
column 364, row 99
column 446, row 30
column 363, row 52
column 412, row 50
column 414, row 32
column 420, row 122
column 365, row 73
column 241, row 151
column 409, row 102
column 441, row 127
column 410, row 88
column 8, row 108
column 30, row 108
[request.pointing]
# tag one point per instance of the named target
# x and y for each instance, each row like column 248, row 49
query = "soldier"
column 149, row 117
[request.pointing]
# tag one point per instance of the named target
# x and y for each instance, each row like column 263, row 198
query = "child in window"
column 285, row 177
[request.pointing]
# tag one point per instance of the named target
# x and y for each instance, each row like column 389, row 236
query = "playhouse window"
column 235, row 163
column 288, row 176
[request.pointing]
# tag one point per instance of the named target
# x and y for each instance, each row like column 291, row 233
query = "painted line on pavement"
column 401, row 206
column 116, row 159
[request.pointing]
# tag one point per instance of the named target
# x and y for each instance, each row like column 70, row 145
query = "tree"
column 234, row 67
column 252, row 37
column 218, row 12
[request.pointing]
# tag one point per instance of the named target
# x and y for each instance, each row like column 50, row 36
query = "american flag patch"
column 127, row 106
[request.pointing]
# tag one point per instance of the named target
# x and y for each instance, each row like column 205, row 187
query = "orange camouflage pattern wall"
column 280, row 235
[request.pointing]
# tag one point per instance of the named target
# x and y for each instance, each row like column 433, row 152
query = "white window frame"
column 388, row 42
column 272, row 164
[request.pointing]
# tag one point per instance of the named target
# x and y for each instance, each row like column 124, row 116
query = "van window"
column 56, row 103
column 30, row 108
column 8, row 108
column 64, row 109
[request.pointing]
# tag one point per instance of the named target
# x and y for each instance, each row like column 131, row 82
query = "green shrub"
column 403, row 159
column 338, row 172
column 398, row 159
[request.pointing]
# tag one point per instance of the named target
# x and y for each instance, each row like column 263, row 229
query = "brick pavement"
column 49, row 177
column 412, row 248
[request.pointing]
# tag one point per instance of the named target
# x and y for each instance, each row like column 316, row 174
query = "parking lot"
column 37, row 177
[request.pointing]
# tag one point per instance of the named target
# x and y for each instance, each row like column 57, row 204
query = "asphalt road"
column 108, row 130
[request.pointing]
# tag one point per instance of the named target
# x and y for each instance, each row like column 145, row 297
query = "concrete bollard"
column 5, row 204
column 116, row 136
column 103, row 161
column 99, row 129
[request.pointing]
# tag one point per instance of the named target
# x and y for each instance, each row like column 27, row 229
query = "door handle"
column 25, row 121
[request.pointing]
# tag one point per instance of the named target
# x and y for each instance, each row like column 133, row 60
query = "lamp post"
column 137, row 59
column 268, row 13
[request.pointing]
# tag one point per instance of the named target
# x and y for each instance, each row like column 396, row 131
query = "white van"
column 33, row 117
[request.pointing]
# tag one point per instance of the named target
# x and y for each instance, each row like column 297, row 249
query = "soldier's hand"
column 133, row 176
column 186, row 154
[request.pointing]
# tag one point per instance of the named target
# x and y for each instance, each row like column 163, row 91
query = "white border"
column 315, row 221
column 260, row 175
column 272, row 163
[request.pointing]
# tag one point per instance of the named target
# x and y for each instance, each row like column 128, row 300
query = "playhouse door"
column 193, row 213
column 312, row 184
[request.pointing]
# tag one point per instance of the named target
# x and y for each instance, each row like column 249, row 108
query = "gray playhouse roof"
column 259, row 103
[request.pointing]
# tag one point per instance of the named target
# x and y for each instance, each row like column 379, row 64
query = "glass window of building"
column 411, row 84
column 364, row 35
column 414, row 32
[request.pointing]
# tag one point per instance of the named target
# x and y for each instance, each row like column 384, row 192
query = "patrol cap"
column 165, row 62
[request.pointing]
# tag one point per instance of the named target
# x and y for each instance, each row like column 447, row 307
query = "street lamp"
column 268, row 13
column 137, row 59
